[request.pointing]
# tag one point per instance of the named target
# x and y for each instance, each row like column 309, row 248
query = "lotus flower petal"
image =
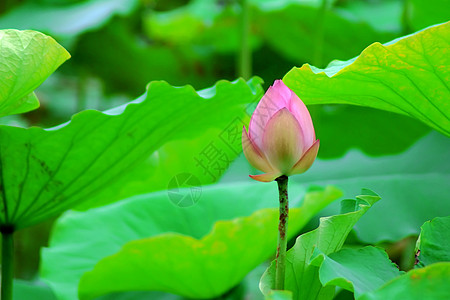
column 267, row 177
column 283, row 141
column 254, row 155
column 276, row 98
column 307, row 160
column 301, row 113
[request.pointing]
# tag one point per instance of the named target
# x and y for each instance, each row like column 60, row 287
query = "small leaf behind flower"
column 429, row 283
column 302, row 267
column 433, row 244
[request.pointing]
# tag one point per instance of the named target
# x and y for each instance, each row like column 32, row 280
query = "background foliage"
column 117, row 47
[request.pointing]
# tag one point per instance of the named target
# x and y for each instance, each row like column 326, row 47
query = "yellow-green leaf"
column 409, row 76
column 27, row 58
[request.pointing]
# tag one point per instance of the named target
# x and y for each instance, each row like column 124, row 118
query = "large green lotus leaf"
column 206, row 156
column 429, row 283
column 302, row 268
column 44, row 172
column 408, row 76
column 247, row 289
column 358, row 270
column 27, row 58
column 81, row 239
column 173, row 160
column 433, row 244
column 413, row 185
column 66, row 21
column 142, row 295
column 199, row 269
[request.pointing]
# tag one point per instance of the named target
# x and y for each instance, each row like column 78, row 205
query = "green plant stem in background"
column 245, row 54
column 82, row 91
column 319, row 35
column 5, row 5
column 282, row 232
column 406, row 17
column 7, row 263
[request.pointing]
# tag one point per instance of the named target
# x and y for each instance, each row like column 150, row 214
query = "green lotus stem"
column 245, row 54
column 7, row 263
column 282, row 232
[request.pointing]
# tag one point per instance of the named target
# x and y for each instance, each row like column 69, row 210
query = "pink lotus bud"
column 281, row 138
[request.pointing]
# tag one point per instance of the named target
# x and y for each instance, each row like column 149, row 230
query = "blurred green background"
column 118, row 46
